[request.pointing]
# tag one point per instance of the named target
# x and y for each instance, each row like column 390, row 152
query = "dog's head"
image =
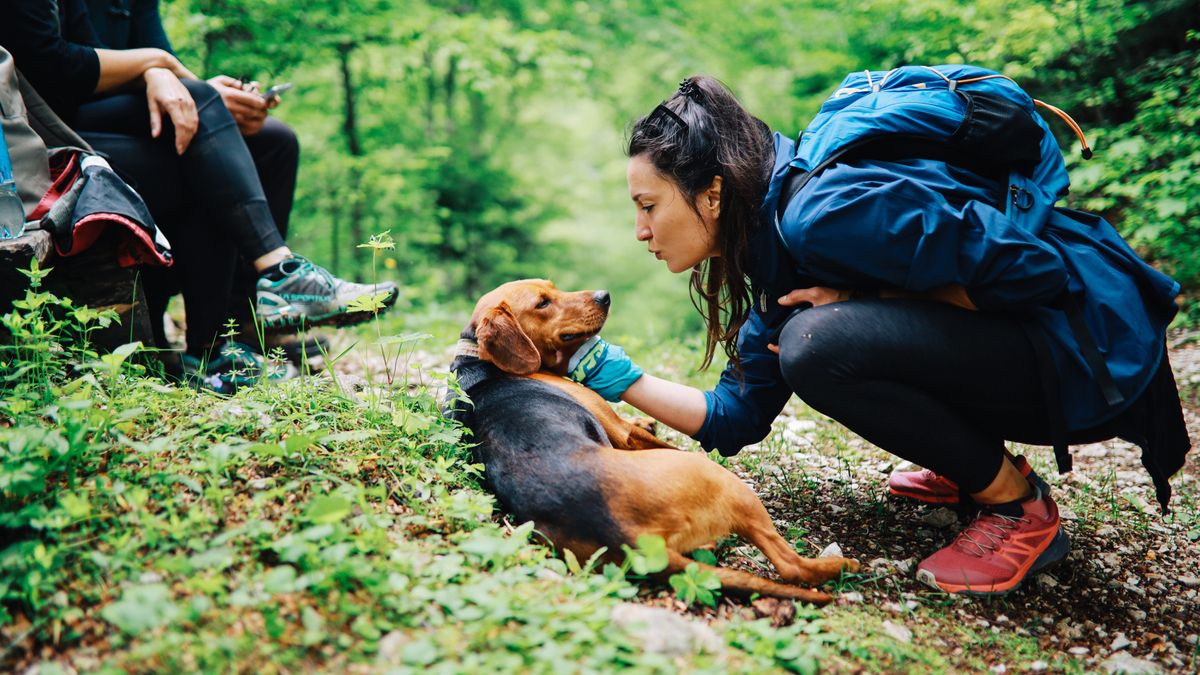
column 527, row 325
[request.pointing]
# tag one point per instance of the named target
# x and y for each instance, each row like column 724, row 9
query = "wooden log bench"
column 91, row 278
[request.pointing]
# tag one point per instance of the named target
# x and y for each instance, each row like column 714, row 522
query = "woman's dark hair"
column 699, row 133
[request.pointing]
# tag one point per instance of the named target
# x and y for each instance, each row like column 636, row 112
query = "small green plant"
column 695, row 585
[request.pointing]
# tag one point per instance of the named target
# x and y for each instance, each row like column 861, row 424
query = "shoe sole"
column 1058, row 549
column 338, row 318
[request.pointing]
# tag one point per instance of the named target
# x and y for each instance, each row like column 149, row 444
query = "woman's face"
column 671, row 228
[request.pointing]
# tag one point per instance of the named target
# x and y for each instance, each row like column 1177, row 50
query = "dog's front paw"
column 647, row 424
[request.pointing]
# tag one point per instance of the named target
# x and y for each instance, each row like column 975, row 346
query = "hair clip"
column 664, row 110
column 689, row 89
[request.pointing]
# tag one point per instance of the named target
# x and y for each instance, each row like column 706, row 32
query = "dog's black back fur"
column 537, row 445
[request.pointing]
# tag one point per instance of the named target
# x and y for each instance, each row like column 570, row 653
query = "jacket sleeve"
column 146, row 29
column 872, row 228
column 60, row 62
column 740, row 411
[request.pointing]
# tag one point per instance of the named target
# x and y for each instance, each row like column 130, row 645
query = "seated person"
column 175, row 137
column 273, row 146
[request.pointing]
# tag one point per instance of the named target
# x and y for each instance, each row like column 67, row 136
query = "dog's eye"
column 544, row 303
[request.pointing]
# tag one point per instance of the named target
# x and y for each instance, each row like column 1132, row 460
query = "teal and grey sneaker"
column 308, row 295
column 235, row 366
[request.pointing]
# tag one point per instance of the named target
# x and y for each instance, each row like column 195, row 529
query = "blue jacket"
column 919, row 224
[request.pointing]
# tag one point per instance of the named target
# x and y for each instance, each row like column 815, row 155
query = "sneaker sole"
column 1055, row 552
column 340, row 317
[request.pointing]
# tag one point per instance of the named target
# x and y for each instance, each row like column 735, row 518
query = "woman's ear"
column 504, row 344
column 710, row 199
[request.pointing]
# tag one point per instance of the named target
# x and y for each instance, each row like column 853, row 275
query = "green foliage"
column 694, row 585
column 1145, row 175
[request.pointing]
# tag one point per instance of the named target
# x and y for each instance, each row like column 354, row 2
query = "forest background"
column 487, row 136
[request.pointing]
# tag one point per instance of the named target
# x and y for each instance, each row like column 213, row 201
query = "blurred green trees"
column 486, row 136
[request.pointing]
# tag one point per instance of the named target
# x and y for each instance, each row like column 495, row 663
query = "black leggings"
column 210, row 201
column 937, row 385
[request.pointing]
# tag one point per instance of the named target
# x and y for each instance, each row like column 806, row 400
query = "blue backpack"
column 982, row 121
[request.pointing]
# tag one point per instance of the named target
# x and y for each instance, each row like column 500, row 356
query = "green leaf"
column 328, row 509
column 141, row 609
column 705, row 556
column 297, row 442
column 650, row 555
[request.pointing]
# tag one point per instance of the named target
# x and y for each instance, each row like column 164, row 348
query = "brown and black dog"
column 555, row 453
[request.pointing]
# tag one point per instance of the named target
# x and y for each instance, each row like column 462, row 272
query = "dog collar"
column 466, row 347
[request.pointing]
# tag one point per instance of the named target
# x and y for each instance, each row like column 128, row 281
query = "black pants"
column 937, row 385
column 223, row 203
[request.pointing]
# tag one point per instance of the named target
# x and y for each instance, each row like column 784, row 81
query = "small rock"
column 1119, row 643
column 879, row 564
column 1039, row 666
column 1124, row 662
column 1192, row 639
column 911, row 605
column 261, row 484
column 1002, row 618
column 662, row 631
column 853, row 597
column 150, row 578
column 940, row 517
column 898, row 632
column 1047, row 581
column 1066, row 513
column 1106, row 531
column 1078, row 651
column 1137, row 615
column 390, row 645
column 831, row 551
column 904, row 566
column 1189, row 581
column 999, row 668
column 546, row 574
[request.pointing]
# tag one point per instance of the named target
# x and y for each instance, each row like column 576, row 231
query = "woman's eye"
column 544, row 303
column 648, row 208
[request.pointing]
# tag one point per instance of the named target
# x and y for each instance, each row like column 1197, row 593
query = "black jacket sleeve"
column 146, row 27
column 55, row 50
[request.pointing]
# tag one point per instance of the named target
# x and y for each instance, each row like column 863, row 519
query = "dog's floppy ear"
column 502, row 342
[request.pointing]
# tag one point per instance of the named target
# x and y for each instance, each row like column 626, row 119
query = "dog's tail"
column 745, row 583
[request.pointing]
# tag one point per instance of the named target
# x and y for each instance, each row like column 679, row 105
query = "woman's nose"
column 642, row 232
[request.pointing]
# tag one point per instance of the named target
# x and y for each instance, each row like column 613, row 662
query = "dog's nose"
column 602, row 298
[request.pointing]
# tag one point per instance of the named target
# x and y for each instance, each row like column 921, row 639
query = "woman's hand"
column 173, row 64
column 248, row 107
column 815, row 296
column 166, row 94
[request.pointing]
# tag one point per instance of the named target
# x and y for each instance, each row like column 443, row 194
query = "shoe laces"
column 987, row 533
column 306, row 265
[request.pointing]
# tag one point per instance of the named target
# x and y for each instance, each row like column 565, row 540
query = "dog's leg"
column 745, row 583
column 754, row 524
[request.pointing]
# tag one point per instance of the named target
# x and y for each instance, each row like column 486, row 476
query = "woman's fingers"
column 182, row 110
column 155, row 117
column 815, row 296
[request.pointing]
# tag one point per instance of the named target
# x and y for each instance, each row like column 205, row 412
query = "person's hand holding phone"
column 248, row 107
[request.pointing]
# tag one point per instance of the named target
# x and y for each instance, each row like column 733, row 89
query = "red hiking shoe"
column 932, row 488
column 995, row 553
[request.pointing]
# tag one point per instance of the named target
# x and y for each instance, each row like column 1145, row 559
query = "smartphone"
column 276, row 90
